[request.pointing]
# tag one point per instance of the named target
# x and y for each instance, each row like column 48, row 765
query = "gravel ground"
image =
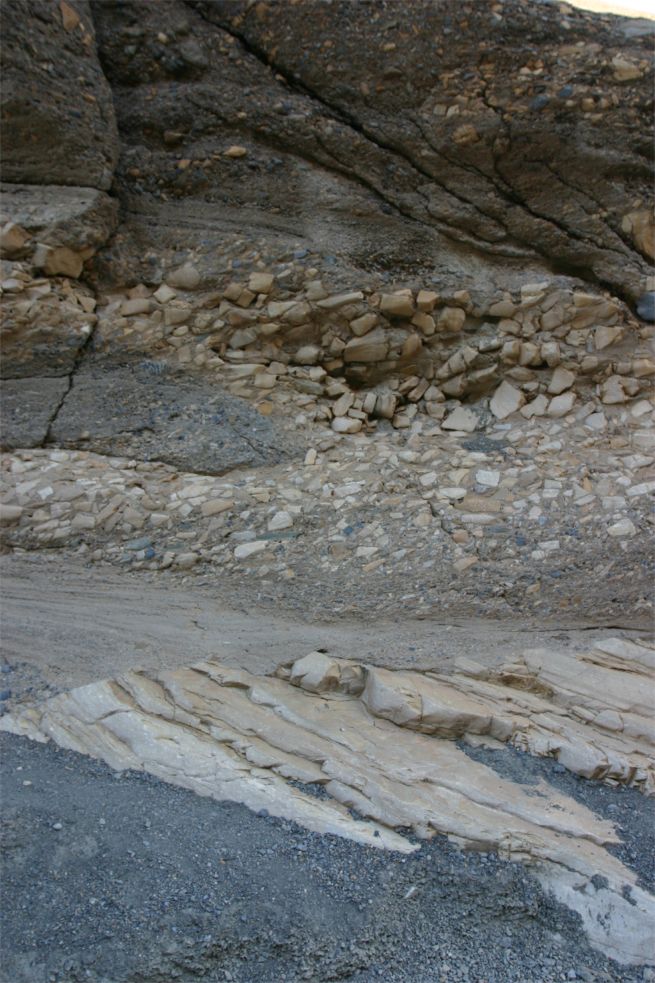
column 119, row 878
column 632, row 813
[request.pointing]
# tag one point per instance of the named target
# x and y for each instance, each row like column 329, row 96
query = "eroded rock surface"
column 196, row 428
column 491, row 131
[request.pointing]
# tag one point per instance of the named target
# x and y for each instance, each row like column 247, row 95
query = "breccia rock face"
column 77, row 218
column 373, row 739
column 511, row 134
column 58, row 123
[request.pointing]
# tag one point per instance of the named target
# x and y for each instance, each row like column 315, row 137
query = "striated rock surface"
column 373, row 739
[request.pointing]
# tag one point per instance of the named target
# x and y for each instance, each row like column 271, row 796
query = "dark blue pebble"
column 521, row 541
column 539, row 102
column 300, row 253
column 263, row 813
column 5, row 667
column 565, row 92
column 646, row 306
column 5, row 694
column 149, row 553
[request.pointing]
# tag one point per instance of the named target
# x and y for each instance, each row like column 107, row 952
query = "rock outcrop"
column 346, row 307
column 441, row 183
column 57, row 114
column 380, row 744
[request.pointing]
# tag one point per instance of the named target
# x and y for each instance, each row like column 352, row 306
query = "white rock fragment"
column 596, row 421
column 215, row 506
column 451, row 320
column 537, row 407
column 561, row 379
column 10, row 514
column 340, row 300
column 489, row 478
column 462, row 418
column 506, row 400
column 622, row 528
column 164, row 293
column 346, row 424
column 561, row 405
column 245, row 550
column 281, row 520
column 606, row 335
column 184, row 561
column 13, row 238
column 612, row 391
column 138, row 305
column 426, row 300
column 362, row 325
column 185, row 277
column 261, row 283
column 398, row 304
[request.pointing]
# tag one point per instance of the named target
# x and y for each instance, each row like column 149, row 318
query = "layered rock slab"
column 352, row 730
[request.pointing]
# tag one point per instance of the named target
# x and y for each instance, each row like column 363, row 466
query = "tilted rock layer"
column 381, row 743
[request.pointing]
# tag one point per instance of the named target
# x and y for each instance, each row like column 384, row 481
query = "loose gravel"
column 119, row 878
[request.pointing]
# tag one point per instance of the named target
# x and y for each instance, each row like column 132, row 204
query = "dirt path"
column 73, row 625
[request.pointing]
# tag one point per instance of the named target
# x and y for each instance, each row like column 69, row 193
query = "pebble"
column 281, row 520
column 622, row 528
column 245, row 550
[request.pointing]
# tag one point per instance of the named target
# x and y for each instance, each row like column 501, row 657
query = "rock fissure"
column 348, row 119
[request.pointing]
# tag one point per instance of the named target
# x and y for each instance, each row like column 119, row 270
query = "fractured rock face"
column 376, row 150
column 60, row 216
column 186, row 423
column 27, row 409
column 374, row 740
